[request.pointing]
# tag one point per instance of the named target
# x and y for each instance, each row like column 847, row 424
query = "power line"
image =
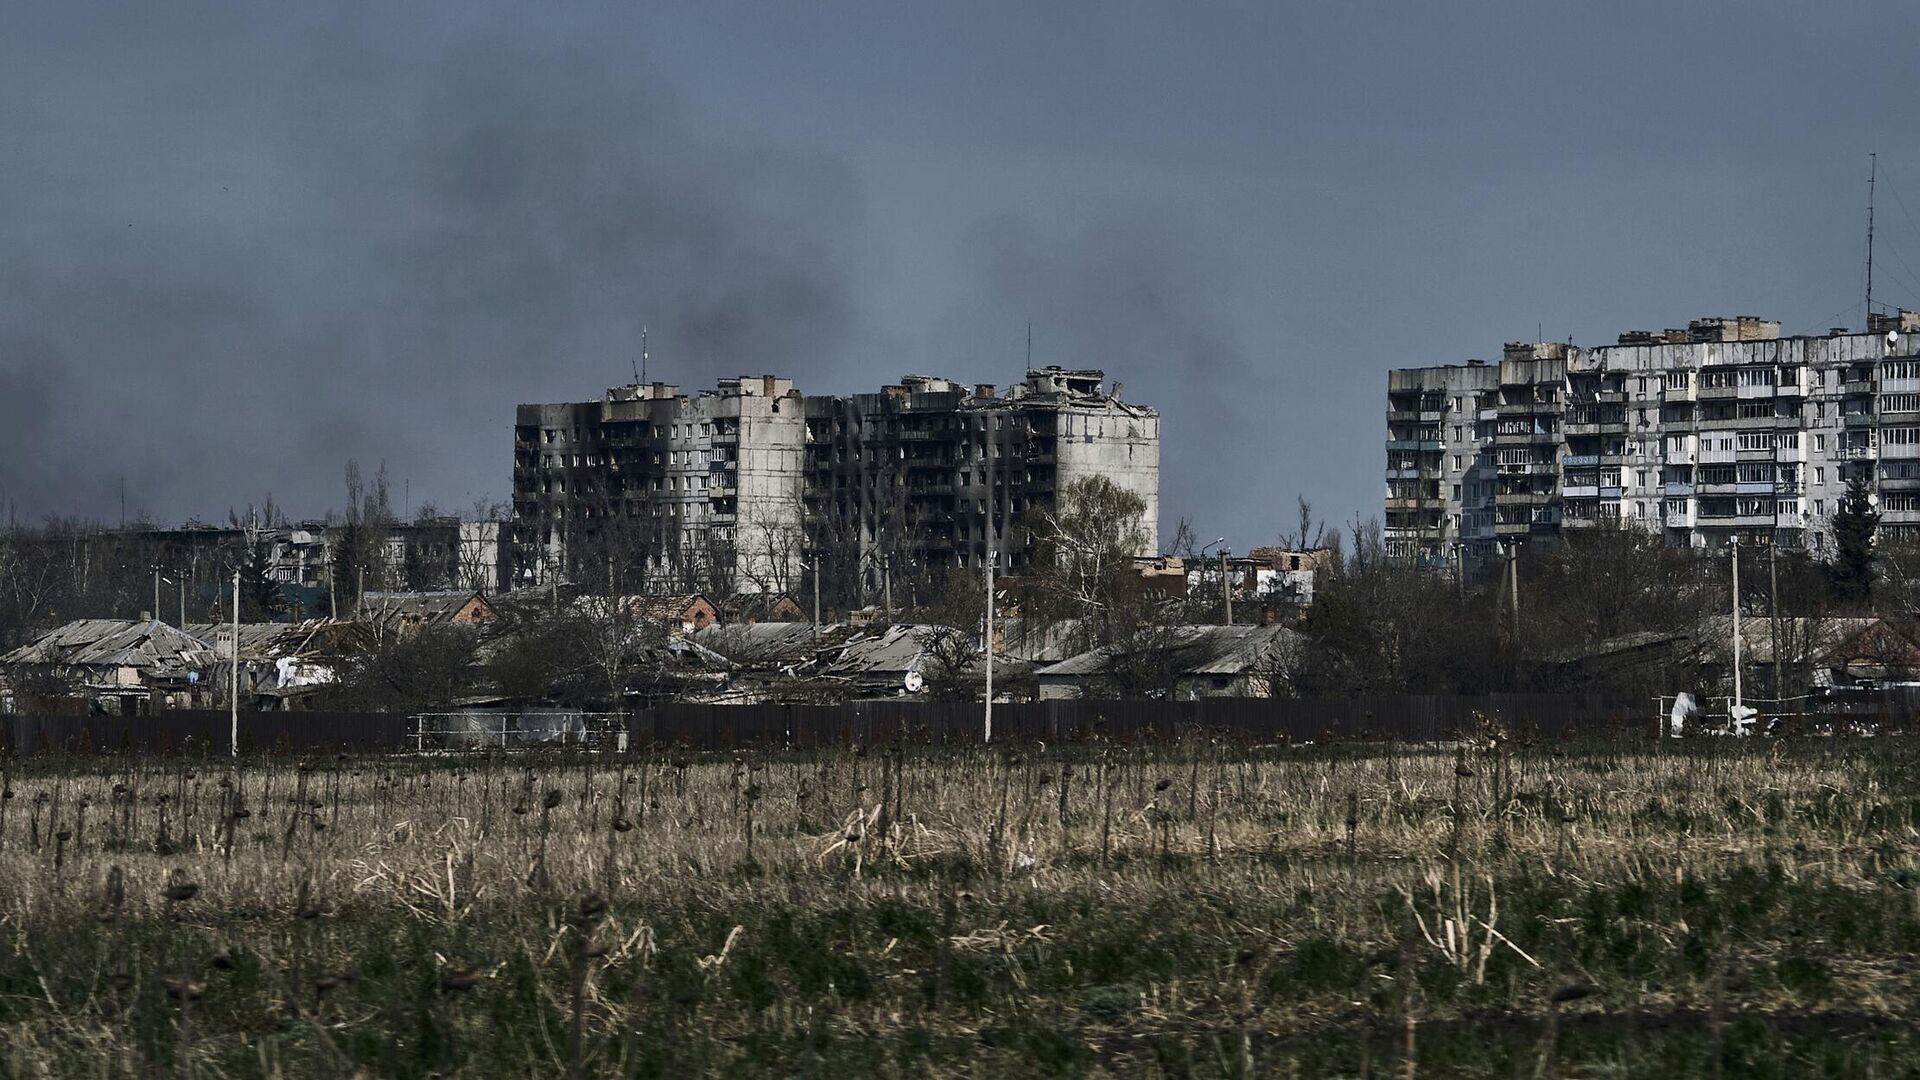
column 1831, row 320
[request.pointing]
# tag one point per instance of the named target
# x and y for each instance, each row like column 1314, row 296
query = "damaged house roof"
column 1039, row 641
column 1193, row 650
column 311, row 639
column 770, row 645
column 145, row 644
column 392, row 610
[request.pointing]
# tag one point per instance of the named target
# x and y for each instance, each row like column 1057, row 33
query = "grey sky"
column 239, row 244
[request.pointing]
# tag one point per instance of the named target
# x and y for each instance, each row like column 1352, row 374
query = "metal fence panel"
column 1402, row 717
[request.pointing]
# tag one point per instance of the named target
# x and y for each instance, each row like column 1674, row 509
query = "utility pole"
column 1773, row 616
column 183, row 602
column 886, row 583
column 1226, row 584
column 1736, row 625
column 1513, row 578
column 235, row 668
column 816, row 593
column 993, row 559
column 156, row 595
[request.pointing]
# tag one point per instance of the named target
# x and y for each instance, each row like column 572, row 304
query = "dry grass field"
column 1193, row 909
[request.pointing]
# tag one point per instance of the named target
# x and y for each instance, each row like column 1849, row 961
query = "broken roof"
column 771, row 644
column 1041, row 641
column 1194, row 650
column 1819, row 639
column 260, row 642
column 895, row 650
column 425, row 608
column 136, row 643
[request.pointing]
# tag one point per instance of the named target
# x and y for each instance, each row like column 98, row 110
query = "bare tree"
column 427, row 668
column 1083, row 565
column 1185, row 542
column 359, row 543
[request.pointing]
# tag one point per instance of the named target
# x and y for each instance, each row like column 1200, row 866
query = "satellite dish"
column 1893, row 340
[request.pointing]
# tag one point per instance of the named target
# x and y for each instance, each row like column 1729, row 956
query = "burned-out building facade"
column 745, row 487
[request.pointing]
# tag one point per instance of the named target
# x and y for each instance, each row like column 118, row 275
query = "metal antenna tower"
column 1873, row 172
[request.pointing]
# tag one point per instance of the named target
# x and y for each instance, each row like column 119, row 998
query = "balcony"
column 1857, row 386
column 1858, row 421
column 1574, row 461
column 1525, row 438
column 1412, row 444
column 1677, row 489
column 1717, row 393
column 1526, row 408
column 1725, row 423
column 1601, row 427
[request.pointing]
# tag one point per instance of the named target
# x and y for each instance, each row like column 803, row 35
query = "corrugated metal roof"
column 134, row 643
column 1195, row 650
column 427, row 608
column 272, row 641
column 771, row 644
column 1036, row 640
column 893, row 651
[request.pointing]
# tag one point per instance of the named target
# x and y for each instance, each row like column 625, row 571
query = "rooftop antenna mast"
column 1029, row 342
column 643, row 352
column 1873, row 171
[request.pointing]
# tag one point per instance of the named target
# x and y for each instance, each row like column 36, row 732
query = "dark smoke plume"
column 235, row 257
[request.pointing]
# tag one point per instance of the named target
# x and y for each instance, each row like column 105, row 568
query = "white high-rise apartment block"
column 1720, row 430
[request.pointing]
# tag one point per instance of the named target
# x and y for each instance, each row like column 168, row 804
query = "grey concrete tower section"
column 738, row 488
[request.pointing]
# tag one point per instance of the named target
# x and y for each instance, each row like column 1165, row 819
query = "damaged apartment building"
column 741, row 488
column 1719, row 431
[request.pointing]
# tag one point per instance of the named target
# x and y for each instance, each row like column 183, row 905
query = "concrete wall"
column 1121, row 446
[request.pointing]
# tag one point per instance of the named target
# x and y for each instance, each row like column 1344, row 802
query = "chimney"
column 1269, row 616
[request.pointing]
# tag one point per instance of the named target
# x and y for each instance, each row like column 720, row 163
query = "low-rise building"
column 1178, row 662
